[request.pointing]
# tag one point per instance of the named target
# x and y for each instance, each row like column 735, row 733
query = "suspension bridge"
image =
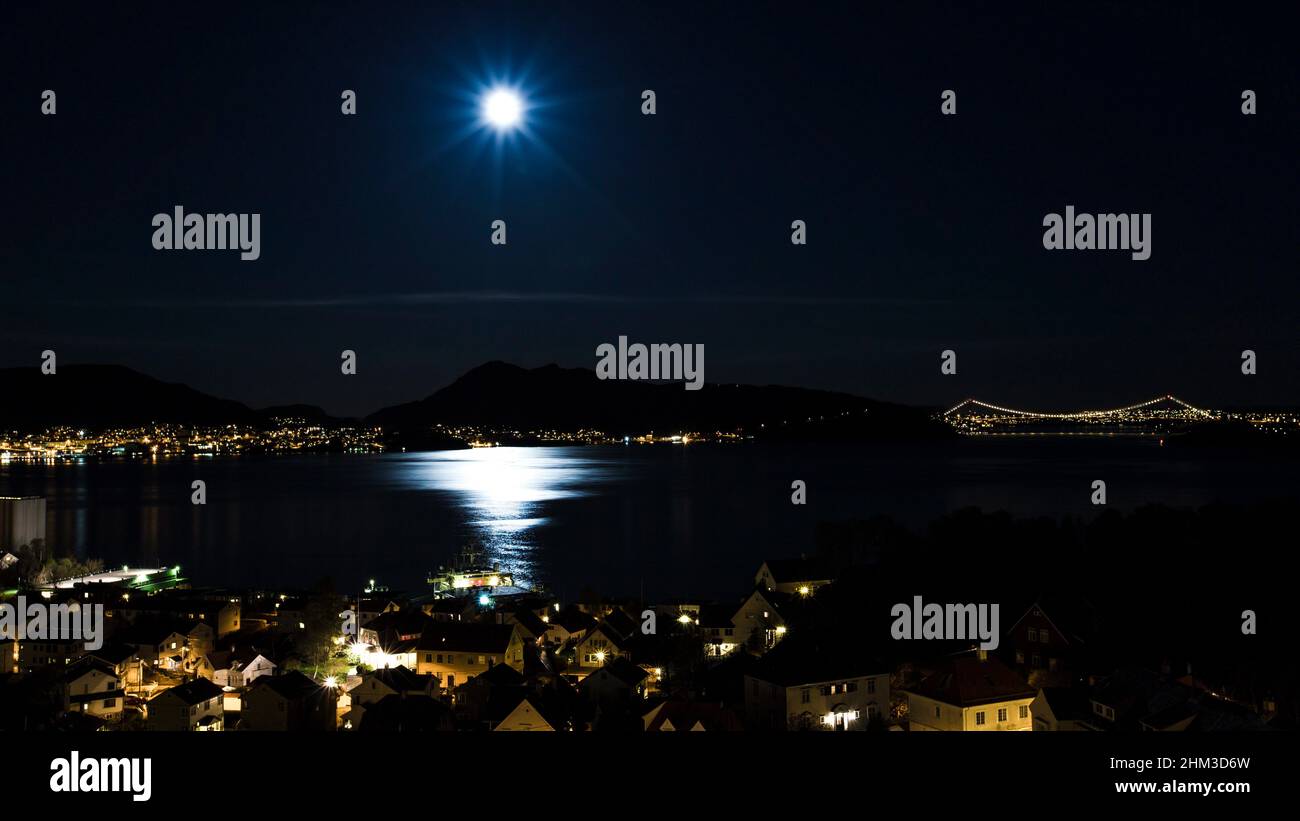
column 1156, row 415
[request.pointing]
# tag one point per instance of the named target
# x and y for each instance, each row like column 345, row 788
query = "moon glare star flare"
column 503, row 109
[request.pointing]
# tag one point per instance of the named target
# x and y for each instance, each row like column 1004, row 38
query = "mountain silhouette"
column 506, row 396
column 495, row 395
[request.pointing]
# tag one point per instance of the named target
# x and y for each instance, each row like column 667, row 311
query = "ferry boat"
column 469, row 573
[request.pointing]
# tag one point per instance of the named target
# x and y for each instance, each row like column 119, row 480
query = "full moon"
column 502, row 108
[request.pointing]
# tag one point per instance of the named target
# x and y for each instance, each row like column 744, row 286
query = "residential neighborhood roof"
column 969, row 680
column 397, row 713
column 531, row 622
column 800, row 661
column 501, row 675
column 620, row 622
column 115, row 652
column 573, row 620
column 685, row 716
column 625, row 671
column 396, row 624
column 292, row 685
column 193, row 692
column 84, row 665
column 243, row 656
column 401, row 679
column 613, row 636
column 544, row 707
column 466, row 637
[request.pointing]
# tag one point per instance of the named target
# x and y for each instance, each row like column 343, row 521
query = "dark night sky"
column 924, row 231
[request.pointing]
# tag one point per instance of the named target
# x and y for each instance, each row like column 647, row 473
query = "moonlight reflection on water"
column 503, row 492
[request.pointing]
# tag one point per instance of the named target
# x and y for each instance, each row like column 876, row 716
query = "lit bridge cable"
column 1086, row 414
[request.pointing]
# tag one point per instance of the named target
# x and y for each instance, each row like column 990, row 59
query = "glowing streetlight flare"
column 503, row 109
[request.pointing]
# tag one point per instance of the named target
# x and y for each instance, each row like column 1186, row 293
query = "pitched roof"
column 501, row 675
column 683, row 716
column 573, row 620
column 620, row 622
column 621, row 669
column 466, row 637
column 292, row 685
column 531, row 622
column 242, row 655
column 538, row 706
column 394, row 624
column 193, row 692
column 115, row 652
column 86, row 664
column 406, row 713
column 796, row 661
column 968, row 681
column 1073, row 616
column 610, row 634
column 401, row 679
column 779, row 602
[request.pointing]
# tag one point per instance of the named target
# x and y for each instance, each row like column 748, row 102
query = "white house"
column 975, row 692
column 90, row 686
column 194, row 705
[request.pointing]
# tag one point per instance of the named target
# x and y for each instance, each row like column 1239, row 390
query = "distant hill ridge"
column 550, row 397
column 496, row 394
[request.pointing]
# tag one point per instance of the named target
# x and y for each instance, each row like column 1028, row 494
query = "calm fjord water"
column 691, row 520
